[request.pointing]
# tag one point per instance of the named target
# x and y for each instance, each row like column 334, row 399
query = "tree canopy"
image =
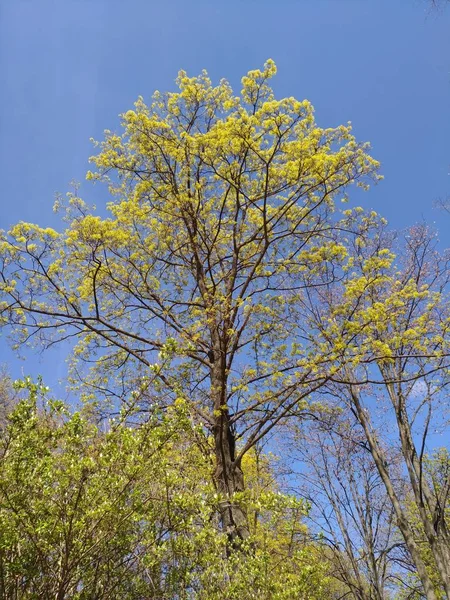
column 225, row 298
column 222, row 215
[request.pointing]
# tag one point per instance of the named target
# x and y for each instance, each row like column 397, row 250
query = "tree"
column 119, row 512
column 386, row 327
column 84, row 510
column 222, row 209
column 436, row 472
column 350, row 510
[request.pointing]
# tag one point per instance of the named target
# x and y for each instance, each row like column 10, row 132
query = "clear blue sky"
column 69, row 67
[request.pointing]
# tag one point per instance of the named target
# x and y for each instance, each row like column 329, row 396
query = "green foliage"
column 223, row 207
column 119, row 511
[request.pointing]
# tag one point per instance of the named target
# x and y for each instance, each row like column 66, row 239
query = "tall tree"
column 220, row 206
column 386, row 327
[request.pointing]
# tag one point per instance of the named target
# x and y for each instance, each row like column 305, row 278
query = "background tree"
column 436, row 471
column 113, row 512
column 221, row 208
column 349, row 507
column 387, row 330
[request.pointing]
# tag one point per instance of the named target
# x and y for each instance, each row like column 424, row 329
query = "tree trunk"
column 402, row 520
column 230, row 480
column 228, row 472
column 420, row 489
column 422, row 494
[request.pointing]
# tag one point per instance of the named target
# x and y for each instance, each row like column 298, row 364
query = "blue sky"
column 69, row 67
